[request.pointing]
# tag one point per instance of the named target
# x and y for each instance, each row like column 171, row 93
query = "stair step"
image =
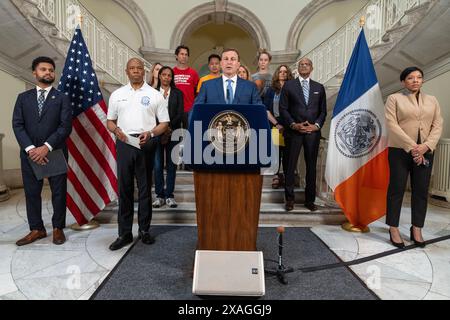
column 270, row 213
column 186, row 194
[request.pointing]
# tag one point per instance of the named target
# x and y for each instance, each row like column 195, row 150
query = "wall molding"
column 302, row 19
column 138, row 15
column 220, row 11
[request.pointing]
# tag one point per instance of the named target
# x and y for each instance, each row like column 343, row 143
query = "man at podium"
column 229, row 88
column 228, row 192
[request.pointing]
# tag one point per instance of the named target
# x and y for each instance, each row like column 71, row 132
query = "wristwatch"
column 152, row 134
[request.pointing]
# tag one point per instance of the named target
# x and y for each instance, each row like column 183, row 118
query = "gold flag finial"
column 80, row 19
column 362, row 21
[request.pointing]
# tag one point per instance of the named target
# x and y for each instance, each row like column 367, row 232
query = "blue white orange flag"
column 357, row 168
column 92, row 177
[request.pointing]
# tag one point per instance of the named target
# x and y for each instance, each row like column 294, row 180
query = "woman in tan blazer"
column 414, row 123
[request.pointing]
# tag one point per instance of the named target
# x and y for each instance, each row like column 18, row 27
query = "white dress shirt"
column 301, row 80
column 47, row 91
column 162, row 92
column 309, row 86
column 225, row 85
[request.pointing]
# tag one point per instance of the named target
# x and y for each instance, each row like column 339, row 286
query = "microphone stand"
column 281, row 269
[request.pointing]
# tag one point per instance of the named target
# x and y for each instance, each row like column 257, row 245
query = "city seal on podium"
column 357, row 133
column 229, row 132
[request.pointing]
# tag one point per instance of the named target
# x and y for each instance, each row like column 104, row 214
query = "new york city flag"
column 357, row 168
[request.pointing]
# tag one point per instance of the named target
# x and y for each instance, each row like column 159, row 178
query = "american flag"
column 92, row 176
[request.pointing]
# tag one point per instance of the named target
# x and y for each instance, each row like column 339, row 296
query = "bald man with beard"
column 134, row 111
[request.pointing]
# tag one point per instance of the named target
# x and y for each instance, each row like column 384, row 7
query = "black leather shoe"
column 146, row 237
column 420, row 244
column 121, row 242
column 311, row 206
column 400, row 245
column 289, row 205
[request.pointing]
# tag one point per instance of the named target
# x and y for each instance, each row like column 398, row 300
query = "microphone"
column 281, row 270
column 280, row 231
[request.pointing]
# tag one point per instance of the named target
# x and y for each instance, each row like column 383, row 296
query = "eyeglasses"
column 304, row 64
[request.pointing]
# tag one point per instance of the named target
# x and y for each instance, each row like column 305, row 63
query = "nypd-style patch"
column 145, row 101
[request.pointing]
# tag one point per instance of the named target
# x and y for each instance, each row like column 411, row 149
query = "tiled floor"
column 413, row 274
column 75, row 269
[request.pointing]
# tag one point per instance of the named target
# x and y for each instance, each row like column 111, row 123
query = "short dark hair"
column 214, row 55
column 42, row 60
column 232, row 49
column 409, row 70
column 178, row 49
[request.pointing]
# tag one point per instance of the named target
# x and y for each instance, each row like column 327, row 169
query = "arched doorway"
column 213, row 38
column 229, row 23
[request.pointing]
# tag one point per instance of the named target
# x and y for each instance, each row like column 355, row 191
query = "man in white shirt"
column 42, row 121
column 133, row 113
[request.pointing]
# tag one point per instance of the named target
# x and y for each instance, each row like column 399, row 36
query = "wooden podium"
column 228, row 205
column 227, row 193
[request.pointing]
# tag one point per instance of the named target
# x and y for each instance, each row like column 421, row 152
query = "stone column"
column 4, row 191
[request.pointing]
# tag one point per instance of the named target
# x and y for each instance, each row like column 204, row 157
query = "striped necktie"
column 229, row 92
column 41, row 100
column 305, row 86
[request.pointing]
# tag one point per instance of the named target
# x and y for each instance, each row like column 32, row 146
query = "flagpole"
column 347, row 226
column 92, row 224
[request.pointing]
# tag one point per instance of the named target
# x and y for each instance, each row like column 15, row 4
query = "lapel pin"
column 53, row 97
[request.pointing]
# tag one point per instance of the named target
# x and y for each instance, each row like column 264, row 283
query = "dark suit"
column 212, row 91
column 53, row 126
column 176, row 108
column 164, row 150
column 293, row 109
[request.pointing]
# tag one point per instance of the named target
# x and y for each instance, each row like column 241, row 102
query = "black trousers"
column 131, row 163
column 401, row 164
column 33, row 199
column 294, row 144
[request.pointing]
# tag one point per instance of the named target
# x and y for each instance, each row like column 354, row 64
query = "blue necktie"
column 305, row 86
column 41, row 100
column 229, row 92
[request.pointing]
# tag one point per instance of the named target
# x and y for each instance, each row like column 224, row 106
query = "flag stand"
column 92, row 224
column 347, row 226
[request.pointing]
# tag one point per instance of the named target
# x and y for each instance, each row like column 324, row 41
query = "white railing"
column 440, row 182
column 108, row 52
column 331, row 57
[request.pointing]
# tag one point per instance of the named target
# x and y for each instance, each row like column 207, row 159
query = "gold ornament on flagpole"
column 347, row 226
column 362, row 21
column 88, row 226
